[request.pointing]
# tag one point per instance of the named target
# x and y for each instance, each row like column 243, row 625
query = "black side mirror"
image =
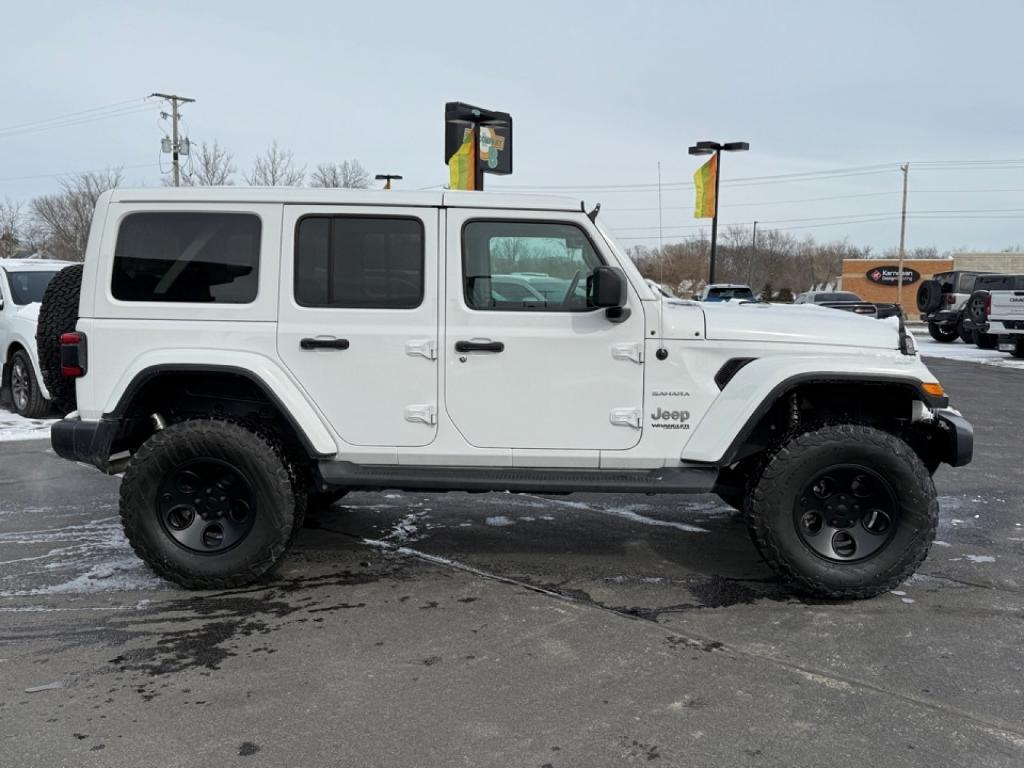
column 607, row 288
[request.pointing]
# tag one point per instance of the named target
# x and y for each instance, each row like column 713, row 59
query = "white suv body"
column 374, row 325
column 22, row 282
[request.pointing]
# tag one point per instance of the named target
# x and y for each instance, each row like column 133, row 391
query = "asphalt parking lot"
column 502, row 630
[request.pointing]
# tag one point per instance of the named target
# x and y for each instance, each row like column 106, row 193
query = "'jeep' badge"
column 663, row 419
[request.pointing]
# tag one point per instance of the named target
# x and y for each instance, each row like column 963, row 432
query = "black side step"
column 345, row 474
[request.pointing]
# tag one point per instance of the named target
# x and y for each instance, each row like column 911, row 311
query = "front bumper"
column 86, row 441
column 958, row 436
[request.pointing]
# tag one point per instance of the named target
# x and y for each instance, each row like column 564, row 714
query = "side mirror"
column 607, row 288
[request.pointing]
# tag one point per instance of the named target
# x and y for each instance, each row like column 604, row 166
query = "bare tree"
column 63, row 219
column 12, row 224
column 210, row 166
column 349, row 174
column 276, row 168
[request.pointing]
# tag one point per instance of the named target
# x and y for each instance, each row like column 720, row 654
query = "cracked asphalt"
column 503, row 630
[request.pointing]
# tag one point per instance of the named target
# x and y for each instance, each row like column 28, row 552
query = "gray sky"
column 600, row 92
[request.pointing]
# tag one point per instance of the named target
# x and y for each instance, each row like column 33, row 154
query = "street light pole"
column 715, row 148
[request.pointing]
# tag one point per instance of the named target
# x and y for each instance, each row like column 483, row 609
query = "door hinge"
column 422, row 348
column 425, row 414
column 634, row 352
column 626, row 417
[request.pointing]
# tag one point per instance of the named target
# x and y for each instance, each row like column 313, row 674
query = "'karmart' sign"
column 891, row 275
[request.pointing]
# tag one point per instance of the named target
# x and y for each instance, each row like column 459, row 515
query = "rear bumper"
column 90, row 442
column 942, row 317
column 958, row 435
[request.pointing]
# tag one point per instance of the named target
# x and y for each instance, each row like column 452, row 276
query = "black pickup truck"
column 849, row 302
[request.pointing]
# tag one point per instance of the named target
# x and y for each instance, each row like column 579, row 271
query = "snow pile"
column 15, row 427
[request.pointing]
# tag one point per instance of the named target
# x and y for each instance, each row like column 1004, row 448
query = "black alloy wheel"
column 206, row 505
column 846, row 513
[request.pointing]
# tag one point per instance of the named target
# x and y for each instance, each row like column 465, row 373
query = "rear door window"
column 368, row 262
column 175, row 256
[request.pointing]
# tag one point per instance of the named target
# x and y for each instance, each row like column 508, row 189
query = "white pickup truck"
column 1005, row 317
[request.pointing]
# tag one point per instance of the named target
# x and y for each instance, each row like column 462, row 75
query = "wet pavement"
column 504, row 630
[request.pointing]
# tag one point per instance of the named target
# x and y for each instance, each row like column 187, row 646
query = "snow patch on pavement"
column 928, row 347
column 15, row 427
column 80, row 559
column 629, row 512
column 499, row 521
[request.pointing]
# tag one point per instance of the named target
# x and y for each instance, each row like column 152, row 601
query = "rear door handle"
column 324, row 343
column 479, row 346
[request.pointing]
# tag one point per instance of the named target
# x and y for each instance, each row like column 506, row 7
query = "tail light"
column 988, row 304
column 950, row 298
column 72, row 354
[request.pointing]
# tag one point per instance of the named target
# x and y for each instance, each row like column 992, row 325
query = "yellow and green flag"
column 704, row 181
column 462, row 165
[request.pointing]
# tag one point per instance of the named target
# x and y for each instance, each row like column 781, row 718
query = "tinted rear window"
column 187, row 257
column 730, row 293
column 836, row 296
column 359, row 262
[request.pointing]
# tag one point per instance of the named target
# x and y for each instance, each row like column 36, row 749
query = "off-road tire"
column 58, row 314
column 986, row 340
column 942, row 333
column 23, row 377
column 929, row 296
column 1018, row 346
column 966, row 334
column 259, row 460
column 770, row 511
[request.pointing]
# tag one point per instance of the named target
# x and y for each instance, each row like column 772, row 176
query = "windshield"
column 28, row 287
column 837, row 296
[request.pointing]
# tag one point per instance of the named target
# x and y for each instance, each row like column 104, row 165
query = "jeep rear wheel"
column 943, row 333
column 209, row 504
column 845, row 511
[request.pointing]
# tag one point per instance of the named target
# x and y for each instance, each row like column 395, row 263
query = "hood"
column 29, row 312
column 785, row 323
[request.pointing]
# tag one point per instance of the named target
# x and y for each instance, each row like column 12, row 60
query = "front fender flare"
column 750, row 394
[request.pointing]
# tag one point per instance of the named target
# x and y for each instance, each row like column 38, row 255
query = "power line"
column 69, row 114
column 74, row 173
column 136, row 110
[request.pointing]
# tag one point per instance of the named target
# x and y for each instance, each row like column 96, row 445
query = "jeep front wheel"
column 845, row 511
column 209, row 504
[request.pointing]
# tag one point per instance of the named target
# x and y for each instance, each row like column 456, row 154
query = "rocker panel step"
column 345, row 474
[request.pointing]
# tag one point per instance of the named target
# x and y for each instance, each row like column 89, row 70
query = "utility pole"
column 753, row 254
column 175, row 144
column 903, row 231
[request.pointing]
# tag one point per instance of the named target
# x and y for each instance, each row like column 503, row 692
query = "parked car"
column 22, row 283
column 850, row 302
column 726, row 292
column 244, row 354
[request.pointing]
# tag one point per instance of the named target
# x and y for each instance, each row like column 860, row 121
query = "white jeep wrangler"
column 240, row 354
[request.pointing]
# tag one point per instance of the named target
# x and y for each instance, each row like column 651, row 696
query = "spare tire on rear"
column 58, row 314
column 929, row 296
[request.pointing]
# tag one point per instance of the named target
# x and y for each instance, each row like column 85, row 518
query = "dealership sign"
column 890, row 275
